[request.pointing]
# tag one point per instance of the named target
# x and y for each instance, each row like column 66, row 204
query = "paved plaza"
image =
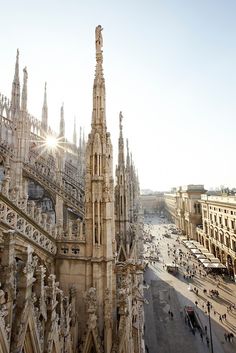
column 167, row 293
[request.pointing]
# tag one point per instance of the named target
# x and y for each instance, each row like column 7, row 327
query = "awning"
column 200, row 256
column 210, row 256
column 215, row 260
column 191, row 246
column 195, row 251
column 205, row 261
column 214, row 265
column 205, row 251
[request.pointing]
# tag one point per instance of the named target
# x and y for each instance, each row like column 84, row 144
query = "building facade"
column 152, row 203
column 66, row 283
column 218, row 231
column 170, row 206
column 183, row 207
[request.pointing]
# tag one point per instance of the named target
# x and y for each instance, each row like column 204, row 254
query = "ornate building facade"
column 129, row 240
column 218, row 231
column 184, row 209
column 209, row 219
column 70, row 243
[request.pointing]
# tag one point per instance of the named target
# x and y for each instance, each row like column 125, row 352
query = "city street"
column 167, row 294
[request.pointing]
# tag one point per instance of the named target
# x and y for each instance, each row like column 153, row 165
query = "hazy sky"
column 169, row 66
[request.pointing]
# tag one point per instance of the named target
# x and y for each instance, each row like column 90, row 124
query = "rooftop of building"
column 225, row 199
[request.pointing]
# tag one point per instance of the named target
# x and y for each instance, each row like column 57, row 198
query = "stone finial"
column 62, row 122
column 121, row 118
column 15, row 93
column 99, row 39
column 45, row 110
column 75, row 133
column 24, row 91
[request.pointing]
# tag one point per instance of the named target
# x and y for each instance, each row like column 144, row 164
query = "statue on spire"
column 25, row 74
column 99, row 40
column 121, row 118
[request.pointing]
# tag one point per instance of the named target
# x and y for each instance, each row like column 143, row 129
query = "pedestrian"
column 229, row 337
column 226, row 336
column 205, row 329
column 220, row 318
column 201, row 335
column 171, row 315
column 207, row 341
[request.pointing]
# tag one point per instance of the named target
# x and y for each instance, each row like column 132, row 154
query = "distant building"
column 152, row 203
column 184, row 209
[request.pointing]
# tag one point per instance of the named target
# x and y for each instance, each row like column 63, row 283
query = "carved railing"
column 6, row 136
column 15, row 218
column 4, row 106
column 43, row 174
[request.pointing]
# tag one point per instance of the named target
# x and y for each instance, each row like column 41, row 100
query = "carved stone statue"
column 121, row 117
column 91, row 300
column 99, row 40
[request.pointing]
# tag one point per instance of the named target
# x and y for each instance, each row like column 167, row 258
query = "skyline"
column 169, row 66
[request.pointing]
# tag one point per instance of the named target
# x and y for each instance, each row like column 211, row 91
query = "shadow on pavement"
column 167, row 334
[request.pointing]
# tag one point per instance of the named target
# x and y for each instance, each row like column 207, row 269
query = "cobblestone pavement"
column 170, row 292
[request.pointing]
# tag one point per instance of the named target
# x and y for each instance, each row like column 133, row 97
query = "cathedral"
column 71, row 269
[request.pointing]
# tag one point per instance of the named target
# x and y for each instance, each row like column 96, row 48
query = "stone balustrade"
column 68, row 194
column 18, row 220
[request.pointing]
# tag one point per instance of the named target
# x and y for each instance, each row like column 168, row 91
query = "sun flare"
column 51, row 142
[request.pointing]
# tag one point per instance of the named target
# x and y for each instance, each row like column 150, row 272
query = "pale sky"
column 169, row 66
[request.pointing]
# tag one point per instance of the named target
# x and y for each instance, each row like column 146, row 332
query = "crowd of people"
column 191, row 271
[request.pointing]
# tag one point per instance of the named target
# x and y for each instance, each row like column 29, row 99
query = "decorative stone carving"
column 99, row 40
column 107, row 308
column 32, row 299
column 91, row 303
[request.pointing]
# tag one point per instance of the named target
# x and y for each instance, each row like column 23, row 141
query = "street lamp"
column 209, row 310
